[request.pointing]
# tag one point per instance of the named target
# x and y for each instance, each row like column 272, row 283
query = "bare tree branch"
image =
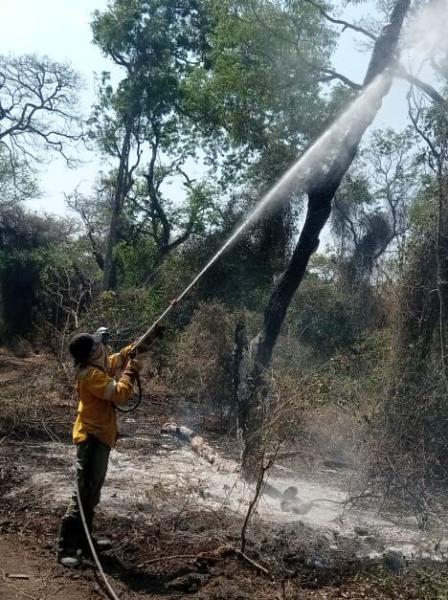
column 331, row 74
column 345, row 24
column 429, row 90
column 38, row 108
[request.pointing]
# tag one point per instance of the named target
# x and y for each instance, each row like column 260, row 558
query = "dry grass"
column 37, row 399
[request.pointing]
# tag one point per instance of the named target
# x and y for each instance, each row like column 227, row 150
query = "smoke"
column 426, row 35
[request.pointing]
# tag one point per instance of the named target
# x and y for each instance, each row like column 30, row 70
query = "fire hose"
column 109, row 588
column 252, row 217
column 136, row 399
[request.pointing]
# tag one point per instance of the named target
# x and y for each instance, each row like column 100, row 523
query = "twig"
column 17, row 589
column 174, row 557
column 260, row 480
column 345, row 24
column 252, row 505
column 252, row 562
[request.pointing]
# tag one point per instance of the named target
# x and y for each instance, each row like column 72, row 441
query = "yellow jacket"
column 98, row 393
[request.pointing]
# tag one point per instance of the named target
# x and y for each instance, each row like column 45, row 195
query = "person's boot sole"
column 71, row 562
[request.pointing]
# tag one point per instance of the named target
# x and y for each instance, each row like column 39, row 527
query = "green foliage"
column 68, row 283
column 47, row 278
column 127, row 314
column 258, row 90
column 154, row 41
column 135, row 260
column 17, row 180
column 241, row 81
column 324, row 319
column 144, row 124
column 424, row 210
column 337, row 384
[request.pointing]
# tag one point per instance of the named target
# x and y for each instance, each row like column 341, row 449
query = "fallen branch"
column 154, row 561
column 288, row 499
column 252, row 562
column 187, row 435
column 220, row 552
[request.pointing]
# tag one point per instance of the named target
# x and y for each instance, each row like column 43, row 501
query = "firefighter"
column 94, row 431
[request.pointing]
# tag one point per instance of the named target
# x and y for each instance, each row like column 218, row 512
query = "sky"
column 60, row 29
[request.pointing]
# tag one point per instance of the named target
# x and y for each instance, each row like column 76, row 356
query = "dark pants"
column 91, row 468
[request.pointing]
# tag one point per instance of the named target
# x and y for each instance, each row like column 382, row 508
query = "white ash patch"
column 175, row 478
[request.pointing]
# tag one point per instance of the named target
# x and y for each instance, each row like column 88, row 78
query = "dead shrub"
column 325, row 411
column 37, row 399
column 202, row 360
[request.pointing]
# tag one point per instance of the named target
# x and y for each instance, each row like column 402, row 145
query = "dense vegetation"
column 235, row 91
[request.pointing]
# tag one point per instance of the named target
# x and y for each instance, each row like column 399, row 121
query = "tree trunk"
column 320, row 196
column 121, row 190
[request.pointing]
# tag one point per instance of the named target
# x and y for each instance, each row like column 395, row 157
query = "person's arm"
column 118, row 391
column 118, row 360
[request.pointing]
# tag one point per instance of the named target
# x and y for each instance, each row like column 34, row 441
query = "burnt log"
column 188, row 436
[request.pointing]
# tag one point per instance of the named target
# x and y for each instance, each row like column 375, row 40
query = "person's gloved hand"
column 133, row 368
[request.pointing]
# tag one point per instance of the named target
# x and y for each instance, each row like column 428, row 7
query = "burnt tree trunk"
column 240, row 348
column 320, row 196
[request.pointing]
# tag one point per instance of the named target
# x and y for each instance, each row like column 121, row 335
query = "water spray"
column 313, row 165
column 316, row 162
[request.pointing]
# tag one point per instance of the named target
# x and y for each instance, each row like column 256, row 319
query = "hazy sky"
column 60, row 29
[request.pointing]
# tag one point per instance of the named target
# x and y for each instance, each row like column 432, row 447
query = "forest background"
column 203, row 107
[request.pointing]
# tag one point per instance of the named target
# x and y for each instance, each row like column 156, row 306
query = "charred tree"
column 320, row 196
column 356, row 272
column 241, row 346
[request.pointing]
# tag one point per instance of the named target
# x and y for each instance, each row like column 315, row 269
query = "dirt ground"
column 27, row 572
column 172, row 517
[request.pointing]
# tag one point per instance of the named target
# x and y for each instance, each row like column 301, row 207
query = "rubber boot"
column 68, row 543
